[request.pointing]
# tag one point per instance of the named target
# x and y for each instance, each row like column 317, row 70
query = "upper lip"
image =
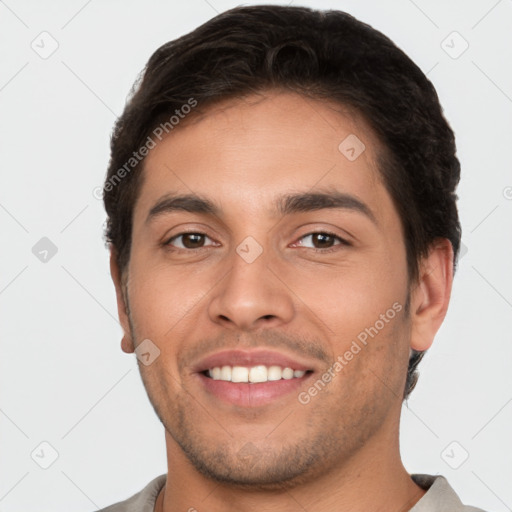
column 251, row 358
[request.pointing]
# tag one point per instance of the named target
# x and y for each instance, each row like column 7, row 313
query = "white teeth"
column 240, row 374
column 287, row 373
column 225, row 373
column 258, row 374
column 254, row 374
column 275, row 373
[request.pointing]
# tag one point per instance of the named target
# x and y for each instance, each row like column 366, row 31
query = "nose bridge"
column 250, row 293
column 248, row 268
column 250, row 250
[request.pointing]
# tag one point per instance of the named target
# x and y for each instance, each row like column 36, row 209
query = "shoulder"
column 143, row 501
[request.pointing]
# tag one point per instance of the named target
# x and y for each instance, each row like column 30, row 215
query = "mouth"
column 252, row 379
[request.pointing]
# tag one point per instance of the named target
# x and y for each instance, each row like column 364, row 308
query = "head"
column 276, row 123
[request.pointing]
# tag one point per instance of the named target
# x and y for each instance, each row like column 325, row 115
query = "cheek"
column 160, row 297
column 349, row 298
column 360, row 308
column 147, row 299
column 373, row 364
column 158, row 310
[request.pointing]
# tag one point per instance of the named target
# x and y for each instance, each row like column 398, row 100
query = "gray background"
column 63, row 377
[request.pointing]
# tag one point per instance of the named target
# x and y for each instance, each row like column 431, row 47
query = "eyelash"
column 342, row 241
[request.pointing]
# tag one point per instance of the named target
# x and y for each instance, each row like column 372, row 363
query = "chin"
column 251, row 468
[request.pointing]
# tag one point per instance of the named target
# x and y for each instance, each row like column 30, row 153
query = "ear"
column 431, row 296
column 122, row 310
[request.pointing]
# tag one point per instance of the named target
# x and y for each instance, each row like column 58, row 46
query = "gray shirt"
column 440, row 497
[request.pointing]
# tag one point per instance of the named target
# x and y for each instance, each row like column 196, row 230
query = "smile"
column 253, row 378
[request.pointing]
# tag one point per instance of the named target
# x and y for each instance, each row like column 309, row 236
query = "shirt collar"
column 440, row 496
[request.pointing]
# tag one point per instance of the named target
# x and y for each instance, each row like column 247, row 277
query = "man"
column 283, row 233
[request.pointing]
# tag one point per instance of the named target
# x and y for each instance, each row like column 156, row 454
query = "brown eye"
column 188, row 241
column 322, row 240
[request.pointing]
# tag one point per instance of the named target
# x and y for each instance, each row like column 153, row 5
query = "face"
column 275, row 292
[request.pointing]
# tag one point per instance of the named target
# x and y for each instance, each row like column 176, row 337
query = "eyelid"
column 342, row 240
column 187, row 228
column 167, row 241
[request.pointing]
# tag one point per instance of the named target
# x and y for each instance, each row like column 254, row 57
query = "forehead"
column 244, row 151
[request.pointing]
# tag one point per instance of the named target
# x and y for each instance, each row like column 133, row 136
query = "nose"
column 252, row 295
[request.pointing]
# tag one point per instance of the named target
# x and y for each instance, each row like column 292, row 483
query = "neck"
column 372, row 479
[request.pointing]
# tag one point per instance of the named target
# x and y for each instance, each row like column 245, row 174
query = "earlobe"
column 127, row 344
column 431, row 296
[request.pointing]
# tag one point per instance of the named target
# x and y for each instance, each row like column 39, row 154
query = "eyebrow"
column 286, row 204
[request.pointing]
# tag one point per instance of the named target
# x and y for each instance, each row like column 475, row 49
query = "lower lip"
column 245, row 394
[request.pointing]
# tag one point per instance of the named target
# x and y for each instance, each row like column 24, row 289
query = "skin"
column 340, row 451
